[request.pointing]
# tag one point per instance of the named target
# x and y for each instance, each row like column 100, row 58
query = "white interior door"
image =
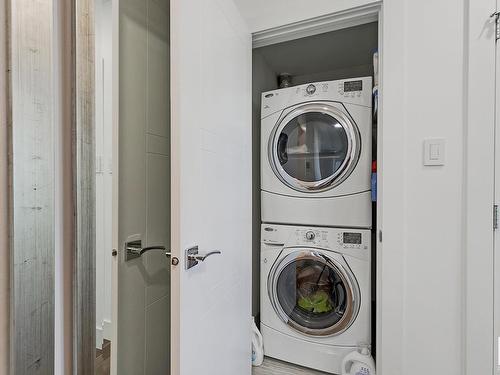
column 211, row 187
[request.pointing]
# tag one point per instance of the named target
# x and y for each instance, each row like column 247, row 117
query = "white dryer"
column 315, row 294
column 316, row 154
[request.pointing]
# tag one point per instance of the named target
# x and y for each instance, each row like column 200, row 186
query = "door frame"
column 115, row 114
column 84, row 327
column 496, row 270
column 5, row 194
column 479, row 188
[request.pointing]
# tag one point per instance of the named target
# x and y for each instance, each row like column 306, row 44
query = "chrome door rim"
column 347, row 166
column 349, row 281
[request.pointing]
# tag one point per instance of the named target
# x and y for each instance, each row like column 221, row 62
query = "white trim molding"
column 318, row 25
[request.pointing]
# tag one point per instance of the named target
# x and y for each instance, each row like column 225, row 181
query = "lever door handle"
column 202, row 257
column 163, row 248
column 134, row 249
column 193, row 257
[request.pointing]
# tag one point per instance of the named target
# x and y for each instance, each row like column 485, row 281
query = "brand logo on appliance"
column 310, row 89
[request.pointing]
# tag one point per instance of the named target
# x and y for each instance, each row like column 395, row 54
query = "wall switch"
column 434, row 151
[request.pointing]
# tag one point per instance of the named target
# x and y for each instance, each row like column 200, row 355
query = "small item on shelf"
column 284, row 80
column 374, row 181
column 375, row 84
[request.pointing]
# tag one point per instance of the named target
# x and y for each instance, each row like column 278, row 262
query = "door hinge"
column 495, row 216
column 496, row 16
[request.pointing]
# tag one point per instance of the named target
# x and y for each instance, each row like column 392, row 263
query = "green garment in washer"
column 318, row 302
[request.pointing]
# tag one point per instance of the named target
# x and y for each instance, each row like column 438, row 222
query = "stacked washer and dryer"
column 316, row 221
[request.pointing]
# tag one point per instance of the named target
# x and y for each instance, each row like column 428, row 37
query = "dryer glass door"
column 314, row 294
column 315, row 147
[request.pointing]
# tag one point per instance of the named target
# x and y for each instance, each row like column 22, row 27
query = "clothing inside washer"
column 312, row 293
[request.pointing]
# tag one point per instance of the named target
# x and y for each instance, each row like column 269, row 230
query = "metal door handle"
column 193, row 257
column 202, row 257
column 144, row 249
column 134, row 249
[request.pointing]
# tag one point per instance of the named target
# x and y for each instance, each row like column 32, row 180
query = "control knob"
column 310, row 235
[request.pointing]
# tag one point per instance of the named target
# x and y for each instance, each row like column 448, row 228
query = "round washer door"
column 313, row 293
column 314, row 147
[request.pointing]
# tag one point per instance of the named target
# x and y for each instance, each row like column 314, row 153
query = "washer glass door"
column 313, row 294
column 314, row 147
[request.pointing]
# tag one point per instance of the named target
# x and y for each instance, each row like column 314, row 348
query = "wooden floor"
column 274, row 367
column 102, row 359
column 269, row 367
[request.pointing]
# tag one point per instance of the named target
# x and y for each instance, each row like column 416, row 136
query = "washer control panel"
column 314, row 236
column 321, row 237
column 350, row 240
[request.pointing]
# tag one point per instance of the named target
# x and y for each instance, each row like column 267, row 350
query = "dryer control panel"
column 353, row 91
column 350, row 89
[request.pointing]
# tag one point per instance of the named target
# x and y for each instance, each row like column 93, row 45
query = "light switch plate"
column 434, row 151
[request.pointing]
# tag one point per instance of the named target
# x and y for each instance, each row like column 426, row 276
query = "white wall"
column 103, row 135
column 421, row 259
column 426, row 211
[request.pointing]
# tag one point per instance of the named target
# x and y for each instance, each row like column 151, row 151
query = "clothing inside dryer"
column 312, row 146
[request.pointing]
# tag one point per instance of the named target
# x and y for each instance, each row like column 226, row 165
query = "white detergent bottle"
column 358, row 362
column 257, row 345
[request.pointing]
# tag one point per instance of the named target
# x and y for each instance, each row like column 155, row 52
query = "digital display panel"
column 352, row 238
column 353, row 86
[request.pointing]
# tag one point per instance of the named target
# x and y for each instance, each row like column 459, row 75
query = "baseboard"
column 107, row 329
column 99, row 337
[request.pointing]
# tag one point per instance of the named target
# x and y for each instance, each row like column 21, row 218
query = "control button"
column 311, row 89
column 310, row 235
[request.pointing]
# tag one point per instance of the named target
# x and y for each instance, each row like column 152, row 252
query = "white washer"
column 315, row 294
column 316, row 154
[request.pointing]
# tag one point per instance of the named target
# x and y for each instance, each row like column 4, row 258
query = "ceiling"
column 335, row 50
